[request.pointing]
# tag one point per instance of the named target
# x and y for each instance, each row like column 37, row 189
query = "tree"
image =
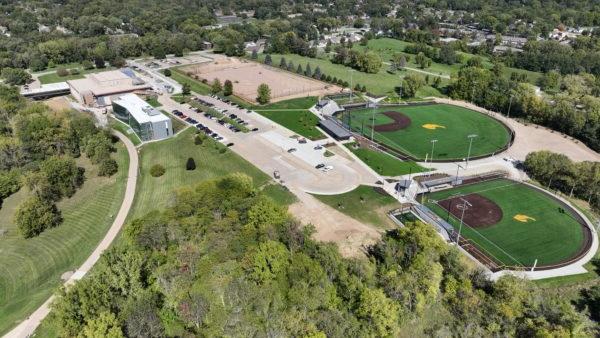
column 264, row 93
column 228, row 88
column 63, row 176
column 185, row 89
column 216, row 86
column 379, row 311
column 105, row 325
column 290, row 66
column 447, row 55
column 254, row 54
column 108, row 167
column 268, row 60
column 99, row 62
column 15, row 76
column 190, row 164
column 317, row 74
column 299, row 70
column 369, row 62
column 87, row 64
column 437, row 81
column 308, row 70
column 282, row 63
column 266, row 261
column 167, row 72
column 411, row 84
column 422, row 60
column 62, row 72
column 35, row 215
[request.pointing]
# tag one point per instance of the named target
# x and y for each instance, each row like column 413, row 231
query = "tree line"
column 224, row 260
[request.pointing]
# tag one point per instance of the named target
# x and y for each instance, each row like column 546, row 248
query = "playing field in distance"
column 410, row 129
column 531, row 226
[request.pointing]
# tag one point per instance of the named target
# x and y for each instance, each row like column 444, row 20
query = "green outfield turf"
column 448, row 124
column 549, row 235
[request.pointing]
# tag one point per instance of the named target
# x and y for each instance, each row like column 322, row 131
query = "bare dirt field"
column 247, row 76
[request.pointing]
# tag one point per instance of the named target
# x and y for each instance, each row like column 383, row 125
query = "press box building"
column 147, row 122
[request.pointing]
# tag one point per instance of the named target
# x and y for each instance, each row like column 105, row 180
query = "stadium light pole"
column 509, row 104
column 462, row 216
column 351, row 88
column 458, row 166
column 470, row 137
column 433, row 142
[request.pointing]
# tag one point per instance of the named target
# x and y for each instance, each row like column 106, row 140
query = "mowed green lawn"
column 385, row 164
column 294, row 115
column 155, row 192
column 31, row 269
column 380, row 83
column 454, row 124
column 550, row 238
column 364, row 204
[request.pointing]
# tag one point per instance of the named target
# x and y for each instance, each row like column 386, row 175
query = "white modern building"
column 147, row 122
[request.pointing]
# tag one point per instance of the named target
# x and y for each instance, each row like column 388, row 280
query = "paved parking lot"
column 267, row 149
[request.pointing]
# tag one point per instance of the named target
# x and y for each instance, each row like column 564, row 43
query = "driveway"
column 28, row 326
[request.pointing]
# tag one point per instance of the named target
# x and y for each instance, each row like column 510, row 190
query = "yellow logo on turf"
column 523, row 218
column 432, row 126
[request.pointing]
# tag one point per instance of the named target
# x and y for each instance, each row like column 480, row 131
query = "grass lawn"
column 364, row 204
column 550, row 238
column 386, row 47
column 155, row 192
column 454, row 124
column 294, row 115
column 379, row 83
column 384, row 164
column 125, row 130
column 301, row 122
column 54, row 78
column 30, row 269
column 153, row 102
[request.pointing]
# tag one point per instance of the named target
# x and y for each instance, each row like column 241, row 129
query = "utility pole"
column 470, row 137
column 509, row 104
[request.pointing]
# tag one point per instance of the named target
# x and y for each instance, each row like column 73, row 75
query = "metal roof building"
column 334, row 129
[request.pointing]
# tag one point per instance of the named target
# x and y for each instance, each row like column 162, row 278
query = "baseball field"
column 411, row 129
column 513, row 223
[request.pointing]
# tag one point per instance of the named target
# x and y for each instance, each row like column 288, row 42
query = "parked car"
column 318, row 147
column 254, row 129
column 291, row 150
column 327, row 168
column 230, row 144
column 302, row 140
column 319, row 166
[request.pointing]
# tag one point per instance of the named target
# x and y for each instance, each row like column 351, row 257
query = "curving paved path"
column 28, row 326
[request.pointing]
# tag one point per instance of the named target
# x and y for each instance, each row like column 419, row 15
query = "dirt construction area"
column 480, row 211
column 247, row 76
column 401, row 121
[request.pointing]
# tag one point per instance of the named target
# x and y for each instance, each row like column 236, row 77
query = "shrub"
column 62, row 72
column 190, row 164
column 167, row 72
column 157, row 170
column 108, row 167
column 198, row 139
column 74, row 71
column 87, row 64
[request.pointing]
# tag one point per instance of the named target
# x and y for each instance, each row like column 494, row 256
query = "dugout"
column 335, row 130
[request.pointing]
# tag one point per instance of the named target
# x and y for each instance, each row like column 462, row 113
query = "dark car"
column 291, row 150
column 254, row 129
column 319, row 166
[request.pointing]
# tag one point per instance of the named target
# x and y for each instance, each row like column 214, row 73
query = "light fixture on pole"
column 470, row 137
column 433, row 142
column 351, row 88
column 465, row 205
column 458, row 166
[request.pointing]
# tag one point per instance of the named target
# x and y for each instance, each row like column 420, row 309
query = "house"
column 98, row 89
column 206, row 45
column 146, row 121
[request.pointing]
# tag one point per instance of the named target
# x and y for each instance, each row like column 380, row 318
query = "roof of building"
column 335, row 129
column 140, row 109
column 46, row 88
column 108, row 83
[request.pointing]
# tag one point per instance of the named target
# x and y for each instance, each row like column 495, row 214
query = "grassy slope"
column 125, row 130
column 452, row 140
column 153, row 193
column 551, row 238
column 30, row 269
column 372, row 209
column 384, row 164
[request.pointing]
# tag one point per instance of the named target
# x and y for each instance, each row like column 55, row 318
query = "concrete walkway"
column 28, row 326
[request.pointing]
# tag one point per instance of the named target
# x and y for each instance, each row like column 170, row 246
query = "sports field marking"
column 433, row 126
column 523, row 218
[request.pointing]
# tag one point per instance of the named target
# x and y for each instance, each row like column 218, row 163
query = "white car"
column 327, row 168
